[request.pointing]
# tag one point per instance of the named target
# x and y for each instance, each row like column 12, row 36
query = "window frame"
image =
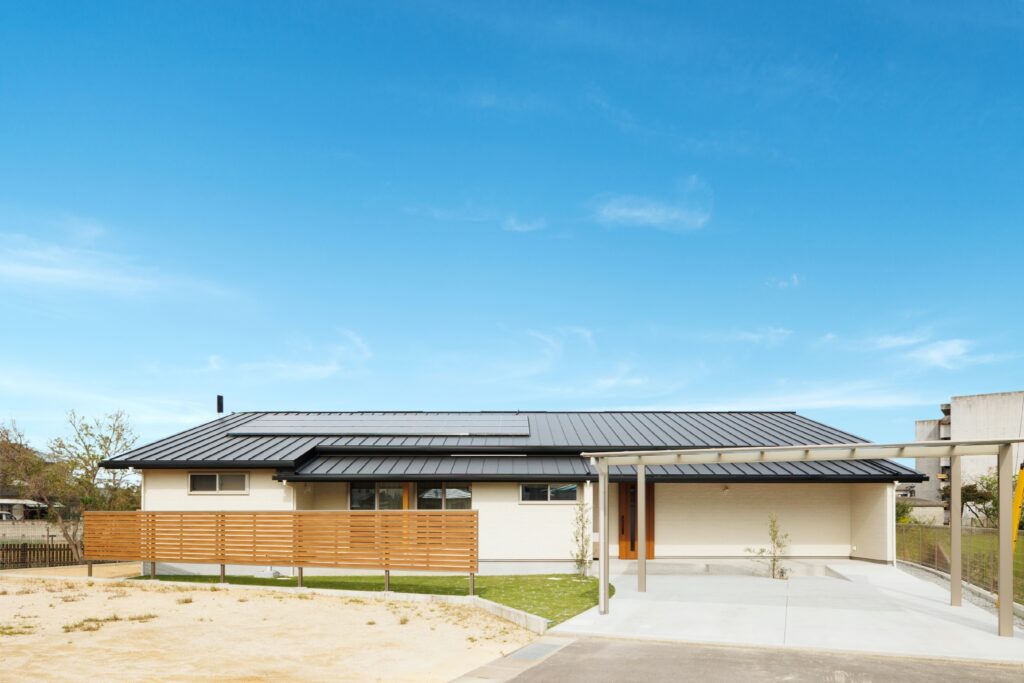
column 217, row 490
column 549, row 485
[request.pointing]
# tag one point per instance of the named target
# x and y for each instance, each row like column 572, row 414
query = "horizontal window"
column 369, row 495
column 549, row 493
column 218, row 482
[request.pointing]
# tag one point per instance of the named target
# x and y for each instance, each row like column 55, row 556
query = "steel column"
column 641, row 529
column 602, row 559
column 1006, row 524
column 955, row 534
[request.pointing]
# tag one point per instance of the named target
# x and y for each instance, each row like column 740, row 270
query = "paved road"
column 595, row 660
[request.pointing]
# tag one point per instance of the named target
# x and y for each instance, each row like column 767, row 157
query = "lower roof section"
column 549, row 468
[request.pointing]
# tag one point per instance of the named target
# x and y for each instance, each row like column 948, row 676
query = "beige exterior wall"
column 715, row 520
column 511, row 530
column 691, row 520
column 168, row 490
column 872, row 521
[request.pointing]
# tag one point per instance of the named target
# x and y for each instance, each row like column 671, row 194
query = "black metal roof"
column 377, row 467
column 213, row 444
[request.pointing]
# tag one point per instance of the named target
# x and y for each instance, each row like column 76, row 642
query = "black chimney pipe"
column 220, row 403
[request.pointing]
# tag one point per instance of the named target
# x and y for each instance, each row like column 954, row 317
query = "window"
column 368, row 495
column 362, row 496
column 549, row 493
column 436, row 495
column 218, row 482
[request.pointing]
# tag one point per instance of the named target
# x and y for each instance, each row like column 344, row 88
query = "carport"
column 954, row 450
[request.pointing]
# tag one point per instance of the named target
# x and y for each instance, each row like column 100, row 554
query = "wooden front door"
column 627, row 521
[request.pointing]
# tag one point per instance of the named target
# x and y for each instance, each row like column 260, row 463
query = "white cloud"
column 762, row 335
column 513, row 224
column 897, row 341
column 858, row 394
column 335, row 358
column 26, row 261
column 791, row 282
column 691, row 212
column 650, row 213
column 949, row 354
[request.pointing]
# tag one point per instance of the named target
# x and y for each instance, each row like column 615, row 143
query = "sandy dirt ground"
column 63, row 630
column 113, row 570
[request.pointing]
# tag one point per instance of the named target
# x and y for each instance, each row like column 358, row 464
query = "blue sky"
column 815, row 207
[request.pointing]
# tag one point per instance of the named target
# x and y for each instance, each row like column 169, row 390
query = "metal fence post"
column 472, row 583
column 300, row 577
column 387, row 580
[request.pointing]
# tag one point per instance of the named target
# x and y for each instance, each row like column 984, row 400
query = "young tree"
column 772, row 555
column 69, row 480
column 582, row 543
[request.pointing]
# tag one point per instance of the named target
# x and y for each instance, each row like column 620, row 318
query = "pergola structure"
column 954, row 450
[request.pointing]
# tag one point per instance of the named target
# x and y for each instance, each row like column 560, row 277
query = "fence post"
column 24, row 554
column 472, row 583
column 152, row 569
column 88, row 568
column 222, row 573
column 387, row 580
column 300, row 577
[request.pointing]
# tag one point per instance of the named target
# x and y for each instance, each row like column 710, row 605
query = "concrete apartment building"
column 965, row 418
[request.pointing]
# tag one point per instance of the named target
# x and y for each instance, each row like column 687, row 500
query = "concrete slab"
column 855, row 606
column 597, row 660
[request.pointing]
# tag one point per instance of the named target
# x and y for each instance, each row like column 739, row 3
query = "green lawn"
column 930, row 546
column 552, row 596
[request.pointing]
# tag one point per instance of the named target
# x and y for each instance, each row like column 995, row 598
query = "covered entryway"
column 628, row 541
column 836, row 455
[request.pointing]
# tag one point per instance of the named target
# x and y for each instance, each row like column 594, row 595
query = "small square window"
column 202, row 483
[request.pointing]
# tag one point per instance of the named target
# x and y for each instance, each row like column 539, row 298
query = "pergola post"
column 1004, row 465
column 641, row 529
column 955, row 534
column 602, row 558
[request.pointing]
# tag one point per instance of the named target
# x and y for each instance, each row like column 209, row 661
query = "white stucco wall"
column 168, row 490
column 716, row 520
column 691, row 520
column 511, row 530
column 872, row 521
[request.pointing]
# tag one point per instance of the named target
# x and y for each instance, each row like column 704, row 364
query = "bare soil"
column 63, row 630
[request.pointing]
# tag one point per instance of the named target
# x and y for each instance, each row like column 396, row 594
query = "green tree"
column 981, row 498
column 69, row 479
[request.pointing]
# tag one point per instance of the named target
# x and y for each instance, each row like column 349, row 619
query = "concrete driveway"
column 597, row 660
column 855, row 606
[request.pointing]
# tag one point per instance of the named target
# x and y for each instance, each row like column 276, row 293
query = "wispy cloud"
column 513, row 224
column 317, row 362
column 471, row 213
column 762, row 335
column 818, row 396
column 691, row 211
column 499, row 99
column 949, row 354
column 25, row 261
column 791, row 282
column 896, row 341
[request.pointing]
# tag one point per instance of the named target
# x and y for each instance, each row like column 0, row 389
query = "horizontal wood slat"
column 429, row 540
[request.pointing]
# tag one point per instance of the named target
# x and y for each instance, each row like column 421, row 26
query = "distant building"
column 981, row 416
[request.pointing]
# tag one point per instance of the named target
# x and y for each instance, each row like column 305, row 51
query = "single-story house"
column 524, row 474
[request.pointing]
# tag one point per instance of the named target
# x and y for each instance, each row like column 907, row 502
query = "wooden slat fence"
column 29, row 555
column 426, row 540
